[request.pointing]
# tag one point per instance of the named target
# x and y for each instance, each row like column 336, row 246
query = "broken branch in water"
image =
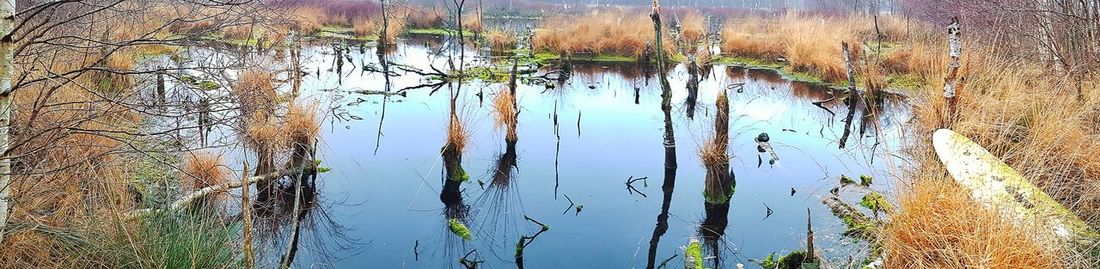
column 468, row 263
column 630, row 185
column 191, row 197
column 525, row 241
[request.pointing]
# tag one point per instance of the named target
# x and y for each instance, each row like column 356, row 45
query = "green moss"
column 904, row 81
column 769, row 261
column 694, row 253
column 437, row 31
column 747, row 62
column 845, row 180
column 875, row 202
column 337, row 29
column 865, row 180
column 460, row 229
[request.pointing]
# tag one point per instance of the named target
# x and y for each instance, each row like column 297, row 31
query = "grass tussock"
column 365, row 27
column 693, row 28
column 112, row 76
column 456, row 135
column 810, row 44
column 506, row 114
column 426, row 17
column 202, row 169
column 255, row 91
column 620, row 34
column 302, row 125
column 500, row 40
column 940, row 226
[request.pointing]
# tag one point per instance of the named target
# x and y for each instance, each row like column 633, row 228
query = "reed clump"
column 255, row 92
column 693, row 28
column 506, row 114
column 202, row 169
column 751, row 38
column 365, row 27
column 500, row 40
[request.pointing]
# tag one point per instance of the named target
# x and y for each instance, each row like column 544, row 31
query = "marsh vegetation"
column 544, row 134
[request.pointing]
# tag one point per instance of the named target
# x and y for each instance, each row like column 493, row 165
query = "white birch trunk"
column 7, row 25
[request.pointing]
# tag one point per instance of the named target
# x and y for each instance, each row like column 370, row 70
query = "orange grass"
column 940, row 226
column 1022, row 112
column 504, row 106
column 202, row 169
column 619, row 34
column 500, row 39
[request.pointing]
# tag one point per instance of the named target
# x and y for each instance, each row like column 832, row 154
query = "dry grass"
column 504, row 106
column 1028, row 116
column 620, row 34
column 302, row 125
column 693, row 28
column 471, row 22
column 202, row 169
column 263, row 132
column 456, row 135
column 940, row 226
column 113, row 77
column 421, row 18
column 500, row 40
column 84, row 178
column 751, row 38
column 365, row 27
column 255, row 91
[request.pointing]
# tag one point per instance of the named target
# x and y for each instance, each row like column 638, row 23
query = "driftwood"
column 195, row 195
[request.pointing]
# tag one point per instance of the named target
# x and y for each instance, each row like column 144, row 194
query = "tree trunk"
column 950, row 83
column 7, row 25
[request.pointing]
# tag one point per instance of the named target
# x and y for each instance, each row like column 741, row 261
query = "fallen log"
column 195, row 195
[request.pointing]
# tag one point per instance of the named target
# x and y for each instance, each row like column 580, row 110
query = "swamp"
column 549, row 134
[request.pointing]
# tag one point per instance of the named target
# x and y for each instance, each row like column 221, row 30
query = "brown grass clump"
column 263, row 132
column 598, row 34
column 456, row 135
column 693, row 28
column 302, row 125
column 201, row 169
column 307, row 19
column 471, row 22
column 365, row 27
column 113, row 78
column 421, row 18
column 940, row 226
column 752, row 38
column 500, row 40
column 255, row 91
column 813, row 45
column 506, row 115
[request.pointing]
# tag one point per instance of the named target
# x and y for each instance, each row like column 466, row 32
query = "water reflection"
column 615, row 125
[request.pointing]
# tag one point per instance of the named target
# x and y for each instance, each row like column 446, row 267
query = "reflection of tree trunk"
column 853, row 96
column 713, row 228
column 669, row 142
column 693, row 89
